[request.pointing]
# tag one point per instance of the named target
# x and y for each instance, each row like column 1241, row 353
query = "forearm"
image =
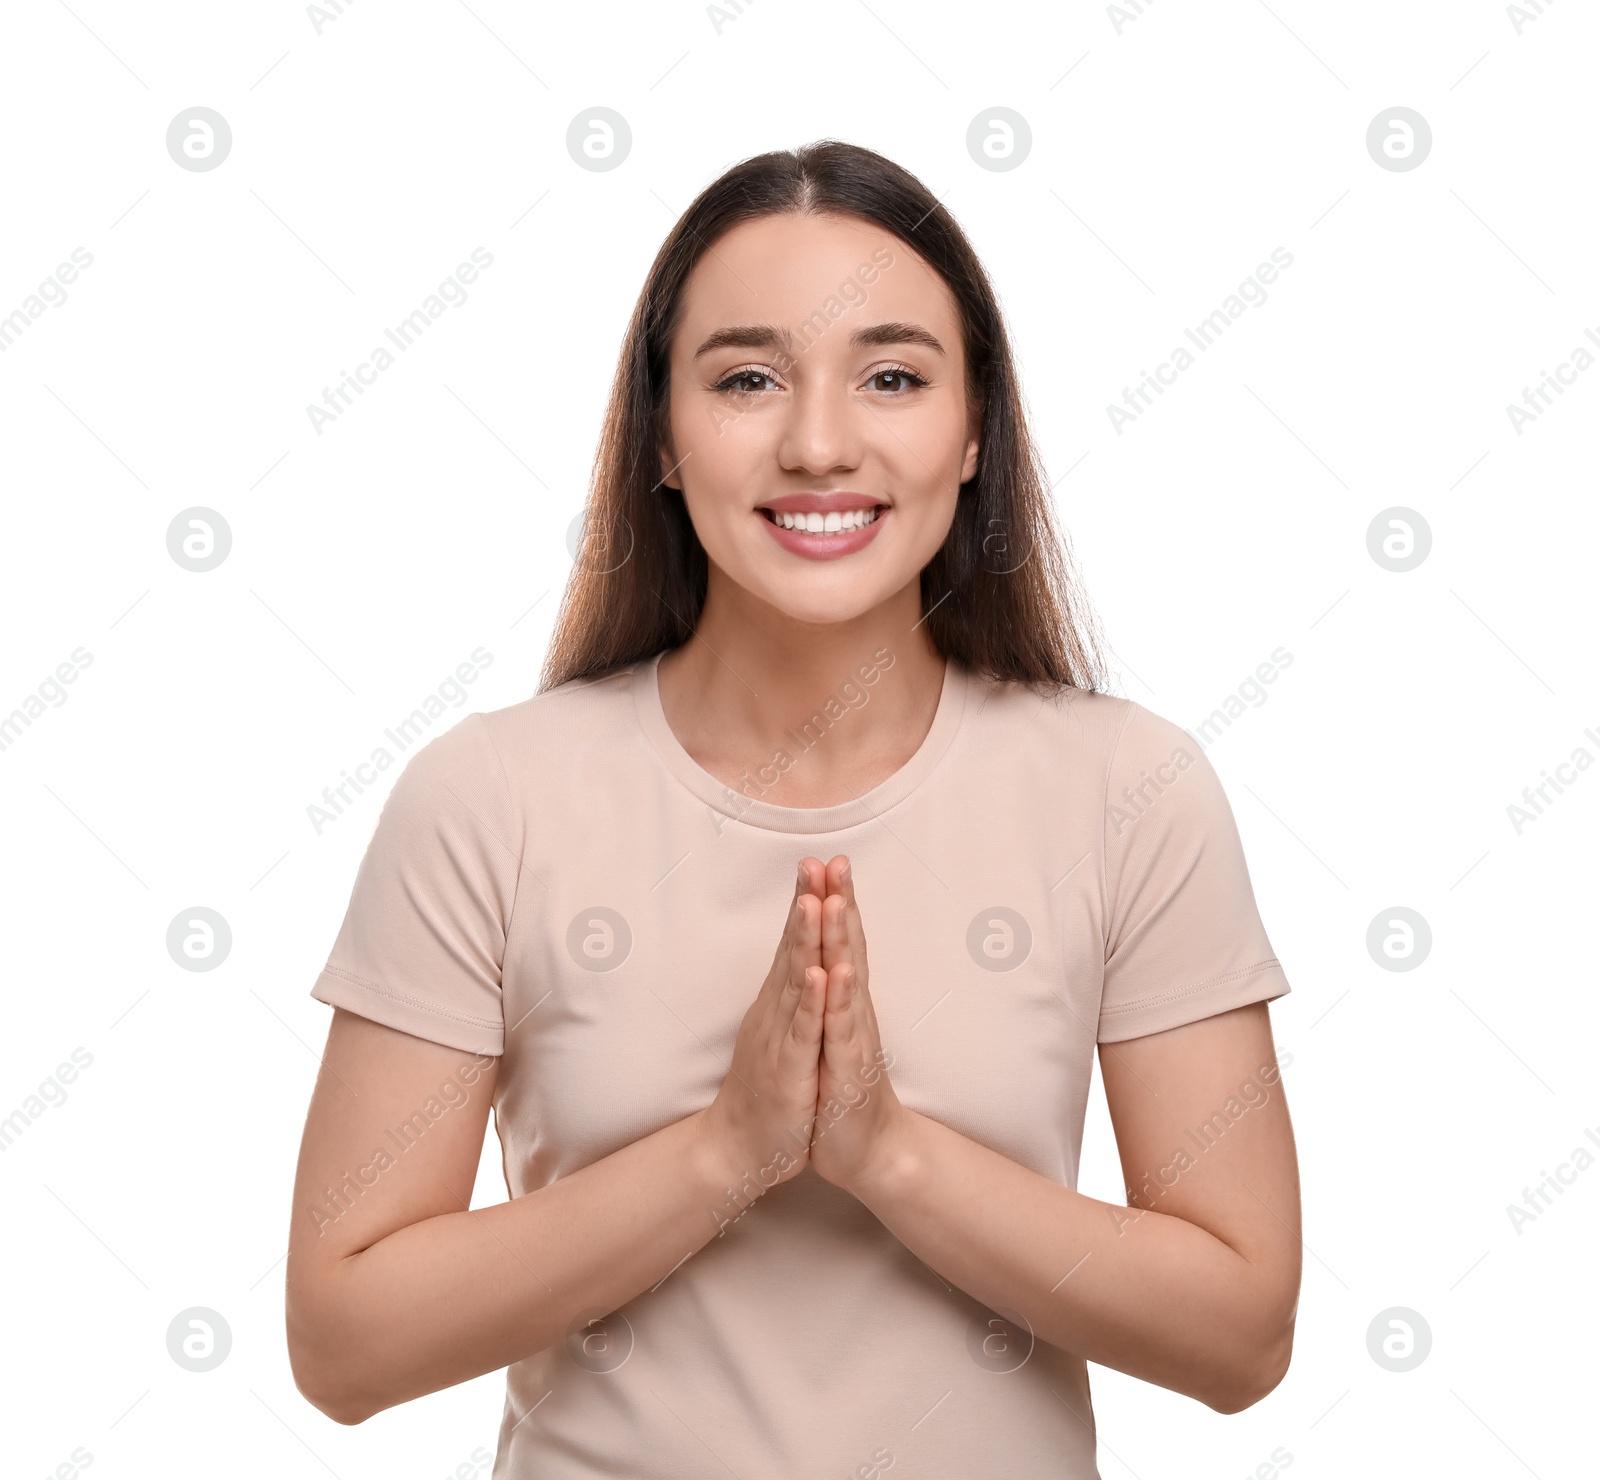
column 451, row 1297
column 1144, row 1292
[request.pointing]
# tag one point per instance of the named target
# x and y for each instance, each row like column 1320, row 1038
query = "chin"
column 822, row 609
column 820, row 600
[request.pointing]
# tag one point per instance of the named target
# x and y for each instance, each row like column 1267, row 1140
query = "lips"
column 834, row 501
column 837, row 532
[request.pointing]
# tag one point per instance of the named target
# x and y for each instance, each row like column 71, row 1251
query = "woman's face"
column 818, row 365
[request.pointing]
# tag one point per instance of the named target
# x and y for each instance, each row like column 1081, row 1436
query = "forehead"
column 783, row 269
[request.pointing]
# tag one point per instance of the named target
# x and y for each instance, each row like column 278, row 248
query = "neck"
column 849, row 701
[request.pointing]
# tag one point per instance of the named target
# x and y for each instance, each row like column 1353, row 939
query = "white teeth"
column 834, row 523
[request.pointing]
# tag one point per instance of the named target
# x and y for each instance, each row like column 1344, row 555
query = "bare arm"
column 397, row 1288
column 1194, row 1285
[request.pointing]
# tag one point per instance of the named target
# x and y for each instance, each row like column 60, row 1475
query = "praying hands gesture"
column 808, row 1082
column 857, row 1110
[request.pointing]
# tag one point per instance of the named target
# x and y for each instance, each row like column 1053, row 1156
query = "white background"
column 1171, row 152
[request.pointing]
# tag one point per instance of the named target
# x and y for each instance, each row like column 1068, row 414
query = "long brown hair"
column 1000, row 597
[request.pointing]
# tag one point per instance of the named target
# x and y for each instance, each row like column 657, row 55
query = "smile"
column 834, row 523
column 816, row 536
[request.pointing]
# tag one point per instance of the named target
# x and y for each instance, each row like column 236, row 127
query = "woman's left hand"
column 859, row 1118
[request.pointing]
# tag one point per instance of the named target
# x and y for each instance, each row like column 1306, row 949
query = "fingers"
column 841, row 880
column 805, row 982
column 798, row 975
column 843, row 1039
column 806, row 1025
column 836, row 943
column 793, row 924
column 808, row 926
column 848, row 941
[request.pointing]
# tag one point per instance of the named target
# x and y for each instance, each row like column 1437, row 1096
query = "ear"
column 969, row 464
column 668, row 463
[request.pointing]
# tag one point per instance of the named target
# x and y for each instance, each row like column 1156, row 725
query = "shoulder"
column 488, row 759
column 584, row 711
column 510, row 759
column 1079, row 724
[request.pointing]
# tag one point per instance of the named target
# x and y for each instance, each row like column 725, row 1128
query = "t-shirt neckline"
column 750, row 809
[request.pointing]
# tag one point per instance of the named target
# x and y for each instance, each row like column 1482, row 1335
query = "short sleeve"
column 422, row 943
column 1184, row 939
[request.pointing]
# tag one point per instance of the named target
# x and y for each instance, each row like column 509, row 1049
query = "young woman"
column 821, row 691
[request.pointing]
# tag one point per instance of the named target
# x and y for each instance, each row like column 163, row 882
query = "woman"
column 820, row 680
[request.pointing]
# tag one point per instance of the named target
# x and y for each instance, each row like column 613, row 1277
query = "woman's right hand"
column 762, row 1116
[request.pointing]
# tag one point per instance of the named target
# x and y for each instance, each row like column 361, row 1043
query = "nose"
column 823, row 432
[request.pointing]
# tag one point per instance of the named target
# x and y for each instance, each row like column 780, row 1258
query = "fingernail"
column 844, row 874
column 799, row 876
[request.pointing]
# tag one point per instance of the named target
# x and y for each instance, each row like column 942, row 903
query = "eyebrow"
column 770, row 336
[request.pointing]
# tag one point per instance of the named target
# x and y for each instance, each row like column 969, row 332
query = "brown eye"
column 898, row 372
column 738, row 381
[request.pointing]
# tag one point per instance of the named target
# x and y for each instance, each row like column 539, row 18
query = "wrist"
column 713, row 1152
column 894, row 1161
column 727, row 1166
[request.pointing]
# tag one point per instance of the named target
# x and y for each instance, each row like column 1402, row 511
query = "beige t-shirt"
column 559, row 882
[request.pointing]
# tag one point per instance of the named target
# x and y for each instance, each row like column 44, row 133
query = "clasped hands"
column 809, row 1081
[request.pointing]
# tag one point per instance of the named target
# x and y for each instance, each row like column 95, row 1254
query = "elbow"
column 319, row 1365
column 341, row 1411
column 324, row 1393
column 1262, row 1370
column 1258, row 1359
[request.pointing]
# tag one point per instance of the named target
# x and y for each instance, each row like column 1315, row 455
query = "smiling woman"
column 771, row 1211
